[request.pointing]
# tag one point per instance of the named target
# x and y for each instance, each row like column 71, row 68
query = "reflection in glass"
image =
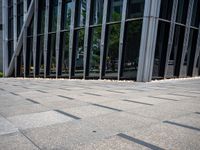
column 135, row 8
column 114, row 10
column 53, row 15
column 94, row 63
column 175, row 56
column 29, row 57
column 161, row 49
column 97, row 11
column 190, row 54
column 166, row 9
column 41, row 16
column 66, row 14
column 51, row 54
column 40, row 56
column 20, row 64
column 182, row 11
column 112, row 51
column 79, row 53
column 64, row 54
column 196, row 14
column 81, row 13
column 131, row 49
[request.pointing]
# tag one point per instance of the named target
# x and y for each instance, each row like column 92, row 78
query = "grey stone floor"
column 89, row 115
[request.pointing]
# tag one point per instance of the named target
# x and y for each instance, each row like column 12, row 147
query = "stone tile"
column 16, row 141
column 88, row 111
column 6, row 127
column 120, row 122
column 66, row 135
column 111, row 143
column 168, row 137
column 22, row 109
column 38, row 119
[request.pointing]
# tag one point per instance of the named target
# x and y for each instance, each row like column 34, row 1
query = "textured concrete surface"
column 99, row 115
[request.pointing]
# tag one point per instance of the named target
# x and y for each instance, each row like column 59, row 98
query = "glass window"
column 161, row 49
column 64, row 54
column 41, row 16
column 30, row 28
column 114, row 10
column 94, row 62
column 182, row 11
column 51, row 55
column 40, row 56
column 166, row 9
column 66, row 14
column 81, row 13
column 176, row 53
column 135, row 8
column 53, row 15
column 196, row 14
column 112, row 51
column 97, row 11
column 79, row 52
column 190, row 54
column 29, row 57
column 131, row 49
column 10, row 50
column 20, row 64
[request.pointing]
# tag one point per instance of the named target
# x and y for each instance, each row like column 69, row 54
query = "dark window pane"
column 40, row 56
column 20, row 64
column 29, row 57
column 196, row 14
column 10, row 51
column 94, row 62
column 53, row 15
column 175, row 56
column 41, row 16
column 190, row 54
column 182, row 11
column 64, row 54
column 112, row 51
column 97, row 11
column 51, row 55
column 30, row 28
column 81, row 13
column 79, row 53
column 135, row 8
column 131, row 49
column 66, row 14
column 114, row 10
column 161, row 49
column 166, row 9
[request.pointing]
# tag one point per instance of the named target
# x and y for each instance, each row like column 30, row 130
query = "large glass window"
column 112, row 50
column 135, row 9
column 176, row 53
column 190, row 54
column 196, row 14
column 81, row 13
column 66, row 14
column 64, row 54
column 53, row 15
column 40, row 56
column 79, row 52
column 29, row 57
column 20, row 16
column 114, row 10
column 94, row 60
column 182, row 11
column 51, row 55
column 161, row 49
column 166, row 9
column 41, row 16
column 131, row 49
column 97, row 11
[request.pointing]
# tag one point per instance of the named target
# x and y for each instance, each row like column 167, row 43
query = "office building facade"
column 136, row 40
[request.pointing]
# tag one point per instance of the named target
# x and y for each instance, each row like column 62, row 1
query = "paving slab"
column 38, row 119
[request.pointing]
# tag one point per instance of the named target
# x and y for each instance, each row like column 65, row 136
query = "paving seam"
column 138, row 141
